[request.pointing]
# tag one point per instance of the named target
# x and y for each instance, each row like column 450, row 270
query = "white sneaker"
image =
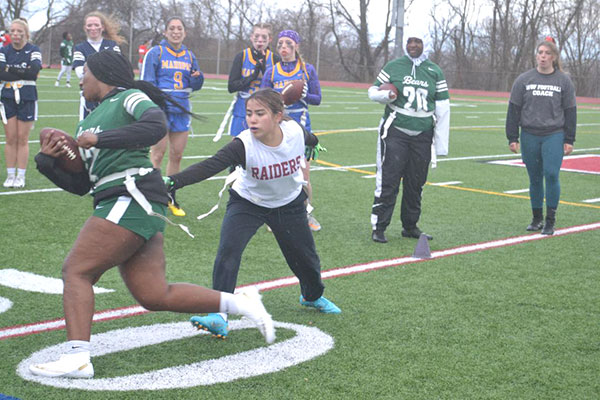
column 56, row 84
column 19, row 182
column 254, row 309
column 313, row 224
column 68, row 84
column 9, row 182
column 76, row 365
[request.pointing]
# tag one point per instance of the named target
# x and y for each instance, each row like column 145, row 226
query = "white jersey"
column 272, row 177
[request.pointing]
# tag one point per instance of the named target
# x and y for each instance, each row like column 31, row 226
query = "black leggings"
column 290, row 227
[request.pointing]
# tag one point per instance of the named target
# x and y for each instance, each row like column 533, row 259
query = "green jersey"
column 419, row 87
column 66, row 52
column 116, row 111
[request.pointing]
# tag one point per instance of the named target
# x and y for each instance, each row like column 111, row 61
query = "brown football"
column 71, row 161
column 389, row 86
column 292, row 92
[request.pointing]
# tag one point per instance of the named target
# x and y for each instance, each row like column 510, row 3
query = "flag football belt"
column 16, row 85
column 123, row 174
column 411, row 113
column 3, row 113
column 129, row 175
column 228, row 181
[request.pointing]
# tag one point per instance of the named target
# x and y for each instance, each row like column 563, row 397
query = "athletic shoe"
column 254, row 309
column 378, row 236
column 9, row 182
column 19, row 182
column 212, row 323
column 76, row 365
column 56, row 84
column 176, row 209
column 313, row 224
column 68, row 84
column 415, row 233
column 322, row 304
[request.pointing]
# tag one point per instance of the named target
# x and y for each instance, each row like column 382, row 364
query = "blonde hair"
column 263, row 25
column 555, row 52
column 111, row 26
column 24, row 24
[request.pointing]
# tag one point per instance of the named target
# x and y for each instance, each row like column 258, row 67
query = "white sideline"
column 24, row 330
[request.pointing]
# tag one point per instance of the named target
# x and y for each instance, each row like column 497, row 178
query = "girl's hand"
column 87, row 139
column 568, row 149
column 52, row 146
column 514, row 147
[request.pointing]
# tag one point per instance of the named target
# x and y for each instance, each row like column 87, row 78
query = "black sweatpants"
column 400, row 156
column 290, row 227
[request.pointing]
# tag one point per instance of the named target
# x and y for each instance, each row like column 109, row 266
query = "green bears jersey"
column 114, row 112
column 419, row 87
column 66, row 52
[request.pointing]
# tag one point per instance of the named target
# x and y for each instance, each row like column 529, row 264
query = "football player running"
column 130, row 202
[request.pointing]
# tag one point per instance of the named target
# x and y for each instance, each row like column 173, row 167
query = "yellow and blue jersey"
column 248, row 67
column 171, row 71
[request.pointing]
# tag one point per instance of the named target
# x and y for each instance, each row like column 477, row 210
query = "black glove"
column 312, row 153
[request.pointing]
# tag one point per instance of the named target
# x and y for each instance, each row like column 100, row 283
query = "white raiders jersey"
column 272, row 177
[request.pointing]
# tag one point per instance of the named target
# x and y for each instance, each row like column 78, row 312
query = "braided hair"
column 114, row 69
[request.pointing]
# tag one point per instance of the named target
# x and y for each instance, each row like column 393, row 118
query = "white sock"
column 78, row 346
column 21, row 172
column 11, row 171
column 230, row 304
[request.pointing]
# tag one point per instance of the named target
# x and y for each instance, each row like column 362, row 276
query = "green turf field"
column 516, row 320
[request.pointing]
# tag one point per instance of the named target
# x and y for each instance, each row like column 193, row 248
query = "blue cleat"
column 321, row 304
column 212, row 323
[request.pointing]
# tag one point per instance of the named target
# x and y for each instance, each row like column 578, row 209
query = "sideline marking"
column 31, row 191
column 592, row 200
column 446, row 183
column 466, row 189
column 107, row 315
column 308, row 343
column 516, row 191
column 30, row 282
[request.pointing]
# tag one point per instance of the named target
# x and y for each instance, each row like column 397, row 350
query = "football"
column 292, row 92
column 389, row 86
column 71, row 161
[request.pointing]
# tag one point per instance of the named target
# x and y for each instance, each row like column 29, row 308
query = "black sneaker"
column 378, row 237
column 415, row 233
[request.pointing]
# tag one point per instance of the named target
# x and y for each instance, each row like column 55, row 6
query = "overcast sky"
column 377, row 10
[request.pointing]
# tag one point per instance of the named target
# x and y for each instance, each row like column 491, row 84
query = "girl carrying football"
column 126, row 227
column 292, row 67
